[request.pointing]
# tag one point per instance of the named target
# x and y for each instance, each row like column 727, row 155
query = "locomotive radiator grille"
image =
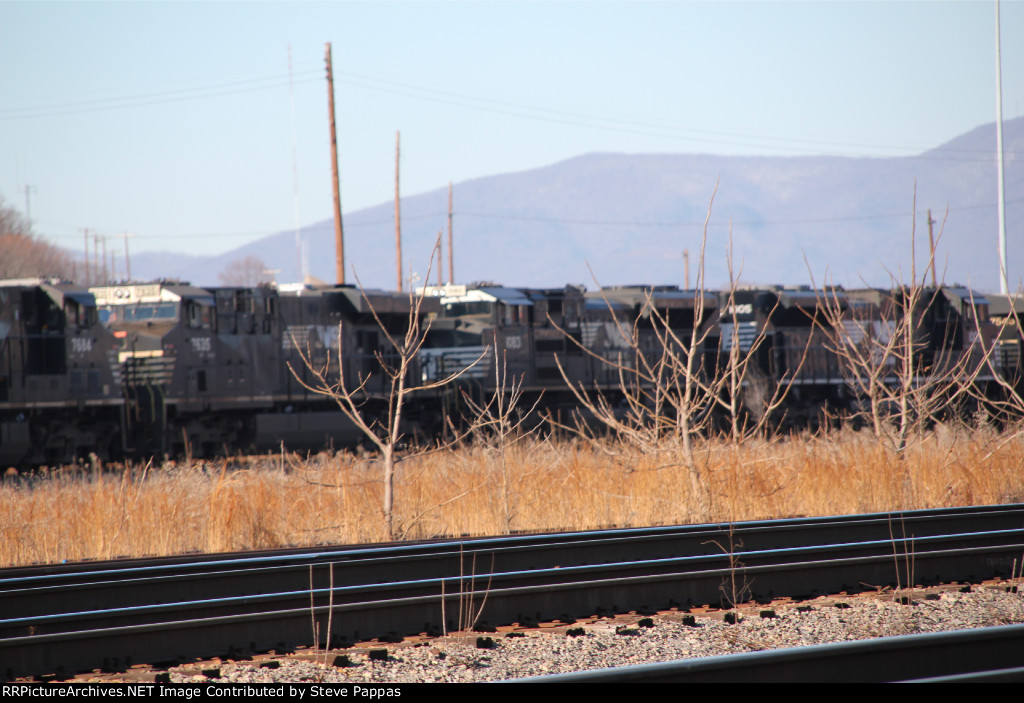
column 746, row 332
column 438, row 364
column 295, row 337
column 1007, row 356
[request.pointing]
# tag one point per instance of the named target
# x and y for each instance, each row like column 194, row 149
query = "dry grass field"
column 531, row 485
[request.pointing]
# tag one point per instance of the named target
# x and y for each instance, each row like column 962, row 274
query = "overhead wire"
column 477, row 101
column 355, row 224
column 215, row 90
column 620, row 124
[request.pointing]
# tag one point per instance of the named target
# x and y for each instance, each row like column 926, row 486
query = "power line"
column 552, row 220
column 619, row 124
column 697, row 223
column 476, row 101
column 152, row 98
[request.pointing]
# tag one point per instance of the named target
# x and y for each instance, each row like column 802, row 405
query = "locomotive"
column 820, row 346
column 784, row 334
column 215, row 370
column 551, row 345
column 59, row 397
column 166, row 368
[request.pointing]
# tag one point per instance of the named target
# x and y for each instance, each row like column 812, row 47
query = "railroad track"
column 67, row 618
column 989, row 655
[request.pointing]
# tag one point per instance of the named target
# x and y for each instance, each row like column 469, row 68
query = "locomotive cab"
column 531, row 335
column 58, row 399
column 165, row 360
column 470, row 320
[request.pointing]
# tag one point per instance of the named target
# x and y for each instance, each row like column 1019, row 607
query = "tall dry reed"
column 529, row 485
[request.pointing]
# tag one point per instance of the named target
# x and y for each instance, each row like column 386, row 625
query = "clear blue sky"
column 173, row 120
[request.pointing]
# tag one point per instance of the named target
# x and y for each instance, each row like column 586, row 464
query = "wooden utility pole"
column 451, row 266
column 931, row 247
column 686, row 266
column 339, row 235
column 101, row 268
column 127, row 258
column 440, row 263
column 87, row 272
column 398, row 218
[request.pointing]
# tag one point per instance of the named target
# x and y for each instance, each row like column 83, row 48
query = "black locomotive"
column 154, row 369
column 59, row 397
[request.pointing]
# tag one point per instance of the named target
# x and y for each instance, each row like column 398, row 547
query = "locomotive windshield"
column 140, row 312
column 459, row 309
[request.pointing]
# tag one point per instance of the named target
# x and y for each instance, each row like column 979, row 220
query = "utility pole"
column 127, row 259
column 931, row 247
column 451, row 266
column 398, row 218
column 339, row 236
column 28, row 202
column 440, row 263
column 102, row 260
column 686, row 267
column 85, row 233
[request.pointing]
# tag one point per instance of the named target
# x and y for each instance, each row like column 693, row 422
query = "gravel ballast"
column 625, row 640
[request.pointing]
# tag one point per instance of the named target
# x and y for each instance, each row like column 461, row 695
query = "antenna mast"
column 295, row 167
column 1004, row 286
column 398, row 219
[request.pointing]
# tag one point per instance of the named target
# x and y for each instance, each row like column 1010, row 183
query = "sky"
column 201, row 126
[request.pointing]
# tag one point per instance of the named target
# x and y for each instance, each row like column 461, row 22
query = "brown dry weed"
column 532, row 485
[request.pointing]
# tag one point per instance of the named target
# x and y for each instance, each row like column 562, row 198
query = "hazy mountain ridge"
column 630, row 217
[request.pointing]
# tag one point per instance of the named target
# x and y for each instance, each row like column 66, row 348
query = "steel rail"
column 916, row 549
column 304, row 555
column 138, row 585
column 984, row 654
column 362, row 611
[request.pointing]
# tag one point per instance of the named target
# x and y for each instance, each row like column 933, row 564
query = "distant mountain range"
column 630, row 216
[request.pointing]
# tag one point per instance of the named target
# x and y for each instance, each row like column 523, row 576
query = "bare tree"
column 500, row 425
column 24, row 254
column 752, row 398
column 399, row 364
column 673, row 382
column 1000, row 390
column 245, row 272
column 664, row 394
column 905, row 355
